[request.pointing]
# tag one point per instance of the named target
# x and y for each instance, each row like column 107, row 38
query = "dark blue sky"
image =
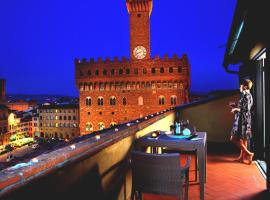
column 40, row 39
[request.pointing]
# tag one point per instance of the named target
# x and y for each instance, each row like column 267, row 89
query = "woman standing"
column 241, row 131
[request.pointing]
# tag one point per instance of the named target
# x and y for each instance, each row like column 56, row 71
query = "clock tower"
column 139, row 20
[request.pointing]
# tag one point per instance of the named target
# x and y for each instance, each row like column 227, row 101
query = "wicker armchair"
column 159, row 174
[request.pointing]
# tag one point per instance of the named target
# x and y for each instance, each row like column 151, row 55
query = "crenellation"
column 107, row 60
column 124, row 59
column 92, row 60
column 99, row 60
column 115, row 59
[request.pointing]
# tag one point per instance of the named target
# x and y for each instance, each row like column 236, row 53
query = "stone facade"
column 119, row 90
column 61, row 121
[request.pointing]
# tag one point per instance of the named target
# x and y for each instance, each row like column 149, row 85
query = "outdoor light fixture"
column 34, row 160
column 152, row 115
column 97, row 137
column 128, row 124
column 137, row 121
column 116, row 129
column 145, row 118
column 72, row 146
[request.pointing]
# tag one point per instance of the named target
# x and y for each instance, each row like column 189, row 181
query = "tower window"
column 161, row 70
column 104, row 72
column 120, row 71
column 144, row 71
column 171, row 69
column 89, row 72
column 173, row 100
column 161, row 100
column 97, row 72
column 124, row 101
column 127, row 71
column 179, row 69
column 88, row 101
column 88, row 113
column 100, row 101
column 153, row 70
column 112, row 101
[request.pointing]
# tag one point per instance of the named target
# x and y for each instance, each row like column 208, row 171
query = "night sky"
column 39, row 40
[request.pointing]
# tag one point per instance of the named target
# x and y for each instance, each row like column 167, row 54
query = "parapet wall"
column 125, row 60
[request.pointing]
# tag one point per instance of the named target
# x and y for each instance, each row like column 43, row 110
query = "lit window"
column 112, row 124
column 161, row 100
column 89, row 126
column 112, row 101
column 101, row 126
column 173, row 100
column 56, row 117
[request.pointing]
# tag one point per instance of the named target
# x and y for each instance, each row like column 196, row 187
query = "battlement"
column 124, row 59
column 139, row 6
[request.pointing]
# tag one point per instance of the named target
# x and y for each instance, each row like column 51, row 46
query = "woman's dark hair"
column 247, row 83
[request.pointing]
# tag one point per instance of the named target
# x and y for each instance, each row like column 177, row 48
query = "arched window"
column 161, row 100
column 112, row 71
column 97, row 72
column 112, row 124
column 171, row 69
column 100, row 101
column 120, row 71
column 89, row 72
column 101, row 126
column 124, row 101
column 144, row 71
column 127, row 71
column 112, row 101
column 173, row 100
column 140, row 100
column 89, row 126
column 153, row 70
column 88, row 101
column 179, row 69
column 104, row 72
column 161, row 70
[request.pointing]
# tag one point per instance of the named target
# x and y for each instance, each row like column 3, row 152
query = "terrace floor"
column 226, row 180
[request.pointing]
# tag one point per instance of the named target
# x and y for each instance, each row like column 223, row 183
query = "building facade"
column 119, row 90
column 58, row 121
column 3, row 124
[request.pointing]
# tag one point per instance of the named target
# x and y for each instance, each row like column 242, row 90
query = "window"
column 74, row 117
column 161, row 70
column 140, row 100
column 136, row 71
column 171, row 69
column 97, row 72
column 40, row 117
column 100, row 101
column 88, row 113
column 179, row 69
column 101, row 126
column 60, row 117
column 112, row 71
column 89, row 73
column 104, row 72
column 124, row 101
column 144, row 71
column 81, row 73
column 120, row 71
column 65, row 117
column 112, row 101
column 153, row 70
column 89, row 126
column 173, row 100
column 88, row 101
column 69, row 117
column 161, row 100
column 127, row 71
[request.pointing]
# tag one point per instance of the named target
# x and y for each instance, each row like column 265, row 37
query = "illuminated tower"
column 139, row 20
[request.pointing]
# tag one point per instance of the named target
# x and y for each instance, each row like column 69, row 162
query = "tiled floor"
column 226, row 180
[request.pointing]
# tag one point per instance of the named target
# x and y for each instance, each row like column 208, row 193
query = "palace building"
column 119, row 90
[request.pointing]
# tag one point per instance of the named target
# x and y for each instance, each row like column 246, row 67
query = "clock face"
column 139, row 52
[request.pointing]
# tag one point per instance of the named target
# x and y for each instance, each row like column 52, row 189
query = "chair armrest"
column 187, row 165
